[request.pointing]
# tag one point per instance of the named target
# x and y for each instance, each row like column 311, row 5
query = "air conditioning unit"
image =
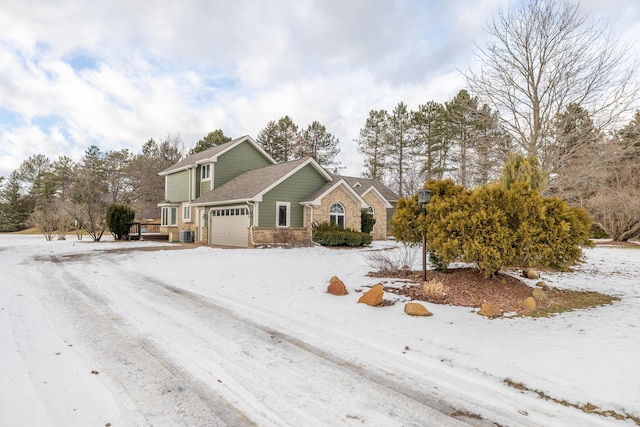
column 186, row 236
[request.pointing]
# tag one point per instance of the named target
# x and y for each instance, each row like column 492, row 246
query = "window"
column 230, row 212
column 336, row 215
column 283, row 214
column 170, row 216
column 186, row 213
column 205, row 172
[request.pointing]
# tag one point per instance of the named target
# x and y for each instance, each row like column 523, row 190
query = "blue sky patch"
column 9, row 119
column 46, row 122
column 81, row 62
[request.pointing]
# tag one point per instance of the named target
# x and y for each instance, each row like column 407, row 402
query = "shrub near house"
column 333, row 235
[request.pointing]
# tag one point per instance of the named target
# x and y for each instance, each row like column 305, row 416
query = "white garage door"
column 228, row 227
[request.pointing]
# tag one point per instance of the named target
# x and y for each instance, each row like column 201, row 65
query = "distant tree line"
column 462, row 139
column 62, row 194
column 459, row 140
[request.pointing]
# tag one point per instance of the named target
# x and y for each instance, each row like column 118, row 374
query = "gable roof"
column 253, row 184
column 366, row 185
column 316, row 197
column 211, row 155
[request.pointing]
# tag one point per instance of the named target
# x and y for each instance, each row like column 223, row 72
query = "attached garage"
column 229, row 226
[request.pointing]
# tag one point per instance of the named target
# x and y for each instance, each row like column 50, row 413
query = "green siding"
column 295, row 189
column 239, row 159
column 201, row 186
column 205, row 186
column 178, row 186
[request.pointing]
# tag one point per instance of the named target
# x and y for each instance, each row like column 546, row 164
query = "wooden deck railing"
column 144, row 230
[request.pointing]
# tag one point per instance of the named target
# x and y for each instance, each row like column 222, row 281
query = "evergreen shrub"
column 494, row 227
column 328, row 234
column 367, row 222
column 119, row 220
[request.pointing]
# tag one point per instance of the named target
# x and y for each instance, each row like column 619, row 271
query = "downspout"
column 253, row 209
column 191, row 185
column 310, row 206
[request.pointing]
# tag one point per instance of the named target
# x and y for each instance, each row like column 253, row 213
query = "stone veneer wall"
column 339, row 195
column 286, row 236
column 174, row 232
column 380, row 214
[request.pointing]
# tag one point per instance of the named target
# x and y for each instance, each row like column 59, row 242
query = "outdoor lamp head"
column 424, row 196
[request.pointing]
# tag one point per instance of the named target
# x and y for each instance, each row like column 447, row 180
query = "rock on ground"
column 416, row 309
column 373, row 296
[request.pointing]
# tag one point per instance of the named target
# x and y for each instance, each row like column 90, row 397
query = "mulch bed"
column 469, row 288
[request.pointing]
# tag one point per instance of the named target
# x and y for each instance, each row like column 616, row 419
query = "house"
column 235, row 194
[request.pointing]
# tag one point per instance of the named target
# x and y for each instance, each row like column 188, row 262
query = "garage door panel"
column 229, row 228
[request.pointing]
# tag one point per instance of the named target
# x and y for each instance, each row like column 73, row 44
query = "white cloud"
column 154, row 68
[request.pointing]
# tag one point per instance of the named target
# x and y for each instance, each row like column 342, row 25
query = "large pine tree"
column 280, row 139
column 400, row 140
column 316, row 142
column 371, row 144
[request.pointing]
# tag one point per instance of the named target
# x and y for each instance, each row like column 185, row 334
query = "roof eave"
column 180, row 169
column 380, row 196
column 228, row 202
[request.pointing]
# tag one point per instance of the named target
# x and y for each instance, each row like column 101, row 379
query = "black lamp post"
column 424, row 196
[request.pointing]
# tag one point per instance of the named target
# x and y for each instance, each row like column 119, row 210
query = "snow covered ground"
column 204, row 337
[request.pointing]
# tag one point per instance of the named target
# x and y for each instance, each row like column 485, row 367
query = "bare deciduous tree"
column 616, row 207
column 45, row 218
column 543, row 56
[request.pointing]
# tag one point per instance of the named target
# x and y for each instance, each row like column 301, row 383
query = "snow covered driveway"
column 204, row 337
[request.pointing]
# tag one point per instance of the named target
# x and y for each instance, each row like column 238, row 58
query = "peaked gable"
column 212, row 154
column 374, row 190
column 365, row 185
column 316, row 197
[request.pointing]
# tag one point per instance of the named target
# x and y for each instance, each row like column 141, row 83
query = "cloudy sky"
column 75, row 73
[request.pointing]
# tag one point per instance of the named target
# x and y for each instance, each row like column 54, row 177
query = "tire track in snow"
column 383, row 391
column 183, row 349
column 152, row 389
column 313, row 386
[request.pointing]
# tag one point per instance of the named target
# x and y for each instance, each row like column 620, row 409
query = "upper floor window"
column 205, row 172
column 337, row 214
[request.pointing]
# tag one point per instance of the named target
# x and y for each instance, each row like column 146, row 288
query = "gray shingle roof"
column 366, row 183
column 250, row 183
column 321, row 190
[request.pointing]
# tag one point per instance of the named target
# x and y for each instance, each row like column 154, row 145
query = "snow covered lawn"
column 205, row 336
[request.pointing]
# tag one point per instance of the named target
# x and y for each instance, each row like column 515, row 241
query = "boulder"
column 416, row 309
column 334, row 279
column 489, row 310
column 540, row 295
column 529, row 303
column 530, row 273
column 541, row 285
column 337, row 288
column 373, row 296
